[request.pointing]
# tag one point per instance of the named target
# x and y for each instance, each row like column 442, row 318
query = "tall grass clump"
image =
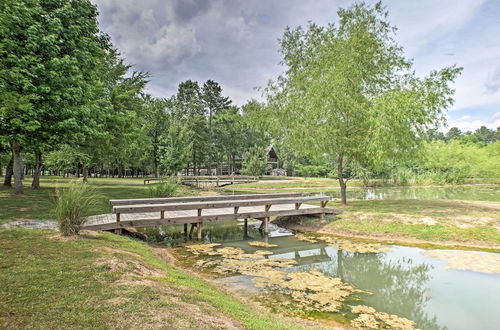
column 71, row 206
column 163, row 189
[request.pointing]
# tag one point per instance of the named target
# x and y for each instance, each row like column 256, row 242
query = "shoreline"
column 387, row 238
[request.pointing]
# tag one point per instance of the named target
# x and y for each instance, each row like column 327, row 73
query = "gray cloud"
column 232, row 42
column 187, row 9
column 235, row 42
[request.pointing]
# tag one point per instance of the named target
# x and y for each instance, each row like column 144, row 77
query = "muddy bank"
column 297, row 224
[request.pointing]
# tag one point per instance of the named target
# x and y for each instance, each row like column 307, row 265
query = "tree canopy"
column 348, row 91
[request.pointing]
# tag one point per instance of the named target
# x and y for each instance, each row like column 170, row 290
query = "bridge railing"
column 165, row 200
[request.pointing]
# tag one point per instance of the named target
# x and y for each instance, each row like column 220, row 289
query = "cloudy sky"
column 235, row 43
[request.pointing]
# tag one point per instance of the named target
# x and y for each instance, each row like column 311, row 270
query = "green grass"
column 438, row 207
column 49, row 282
column 39, row 204
column 436, row 233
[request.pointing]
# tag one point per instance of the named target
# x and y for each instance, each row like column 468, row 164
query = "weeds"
column 71, row 206
column 163, row 189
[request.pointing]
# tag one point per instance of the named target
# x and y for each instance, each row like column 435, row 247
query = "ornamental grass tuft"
column 71, row 206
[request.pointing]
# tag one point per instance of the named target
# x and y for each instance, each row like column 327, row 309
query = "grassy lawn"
column 107, row 281
column 38, row 204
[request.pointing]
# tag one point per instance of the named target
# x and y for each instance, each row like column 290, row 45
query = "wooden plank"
column 216, row 204
column 137, row 201
column 204, row 218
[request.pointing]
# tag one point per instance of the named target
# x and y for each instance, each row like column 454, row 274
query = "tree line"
column 69, row 104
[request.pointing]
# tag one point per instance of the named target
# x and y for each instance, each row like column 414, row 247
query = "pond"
column 468, row 192
column 476, row 192
column 366, row 284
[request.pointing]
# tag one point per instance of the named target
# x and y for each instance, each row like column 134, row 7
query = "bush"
column 255, row 162
column 72, row 204
column 163, row 189
column 402, row 176
column 312, row 171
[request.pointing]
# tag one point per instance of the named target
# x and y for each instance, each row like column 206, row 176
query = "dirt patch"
column 117, row 301
column 461, row 221
column 32, row 224
column 128, row 267
column 117, row 251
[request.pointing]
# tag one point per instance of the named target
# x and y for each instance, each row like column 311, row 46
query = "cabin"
column 273, row 163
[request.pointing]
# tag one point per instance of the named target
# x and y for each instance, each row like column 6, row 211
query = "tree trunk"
column 343, row 185
column 155, row 161
column 17, row 168
column 35, row 184
column 85, row 173
column 210, row 149
column 7, row 182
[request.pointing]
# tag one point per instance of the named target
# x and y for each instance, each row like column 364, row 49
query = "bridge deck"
column 144, row 219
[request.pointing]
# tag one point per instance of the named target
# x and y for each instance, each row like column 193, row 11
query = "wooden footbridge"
column 217, row 181
column 198, row 210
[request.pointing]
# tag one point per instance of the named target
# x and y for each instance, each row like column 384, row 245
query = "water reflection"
column 472, row 192
column 397, row 285
column 219, row 231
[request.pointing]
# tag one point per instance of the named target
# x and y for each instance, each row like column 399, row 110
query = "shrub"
column 312, row 171
column 163, row 189
column 402, row 176
column 72, row 204
column 255, row 162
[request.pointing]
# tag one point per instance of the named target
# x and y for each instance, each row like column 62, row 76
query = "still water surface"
column 470, row 192
column 476, row 192
column 404, row 281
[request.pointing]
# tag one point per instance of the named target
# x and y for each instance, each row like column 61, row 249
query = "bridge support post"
column 191, row 230
column 323, row 205
column 266, row 225
column 118, row 231
column 245, row 228
column 185, row 229
column 200, row 228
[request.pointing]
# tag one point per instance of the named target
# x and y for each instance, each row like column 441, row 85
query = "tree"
column 50, row 56
column 229, row 136
column 189, row 108
column 453, row 133
column 120, row 127
column 255, row 162
column 173, row 152
column 485, row 134
column 349, row 92
column 156, row 124
column 214, row 103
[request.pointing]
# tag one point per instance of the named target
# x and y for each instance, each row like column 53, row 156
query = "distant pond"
column 467, row 192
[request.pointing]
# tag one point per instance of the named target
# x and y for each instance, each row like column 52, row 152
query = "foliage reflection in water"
column 402, row 281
